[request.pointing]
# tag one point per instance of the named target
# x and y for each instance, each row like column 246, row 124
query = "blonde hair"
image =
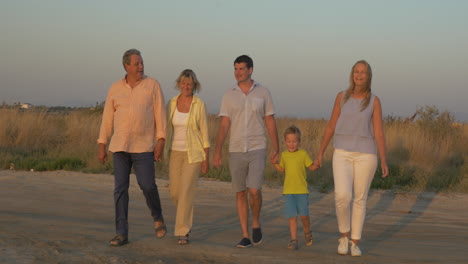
column 367, row 87
column 189, row 74
column 293, row 130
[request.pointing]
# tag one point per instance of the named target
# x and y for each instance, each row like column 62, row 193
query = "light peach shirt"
column 134, row 118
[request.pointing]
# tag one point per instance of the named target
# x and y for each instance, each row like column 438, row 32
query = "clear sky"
column 68, row 53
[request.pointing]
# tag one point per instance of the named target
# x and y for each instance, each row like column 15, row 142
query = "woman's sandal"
column 184, row 240
column 293, row 244
column 118, row 241
column 160, row 228
column 308, row 238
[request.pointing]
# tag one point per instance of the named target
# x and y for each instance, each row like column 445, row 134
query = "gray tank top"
column 354, row 130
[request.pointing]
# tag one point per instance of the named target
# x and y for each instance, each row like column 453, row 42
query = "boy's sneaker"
column 245, row 242
column 343, row 247
column 355, row 251
column 257, row 235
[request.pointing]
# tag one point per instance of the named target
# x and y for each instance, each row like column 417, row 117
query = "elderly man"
column 134, row 120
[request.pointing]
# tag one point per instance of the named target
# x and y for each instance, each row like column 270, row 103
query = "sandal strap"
column 118, row 240
column 184, row 240
column 293, row 244
column 160, row 228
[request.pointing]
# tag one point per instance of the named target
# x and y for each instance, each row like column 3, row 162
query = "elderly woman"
column 356, row 124
column 187, row 125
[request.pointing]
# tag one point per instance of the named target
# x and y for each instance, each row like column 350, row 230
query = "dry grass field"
column 428, row 154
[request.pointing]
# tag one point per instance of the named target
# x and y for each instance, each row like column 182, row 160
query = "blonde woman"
column 188, row 130
column 356, row 124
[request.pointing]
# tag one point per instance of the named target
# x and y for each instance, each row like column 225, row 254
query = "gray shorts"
column 247, row 169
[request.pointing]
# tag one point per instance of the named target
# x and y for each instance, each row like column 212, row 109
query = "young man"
column 247, row 110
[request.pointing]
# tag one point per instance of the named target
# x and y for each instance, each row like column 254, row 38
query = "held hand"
column 102, row 154
column 315, row 167
column 273, row 161
column 217, row 160
column 318, row 162
column 274, row 157
column 205, row 166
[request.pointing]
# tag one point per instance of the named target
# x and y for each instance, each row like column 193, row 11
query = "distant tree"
column 99, row 108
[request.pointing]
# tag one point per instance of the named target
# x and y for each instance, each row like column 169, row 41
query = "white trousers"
column 352, row 173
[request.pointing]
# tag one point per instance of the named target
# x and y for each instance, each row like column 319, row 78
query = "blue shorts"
column 296, row 204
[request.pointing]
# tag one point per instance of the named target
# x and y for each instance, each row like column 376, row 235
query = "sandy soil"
column 67, row 217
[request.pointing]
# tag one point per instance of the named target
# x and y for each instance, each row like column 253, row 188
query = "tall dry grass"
column 428, row 154
column 46, row 141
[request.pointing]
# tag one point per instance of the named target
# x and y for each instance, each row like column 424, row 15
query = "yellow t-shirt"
column 295, row 164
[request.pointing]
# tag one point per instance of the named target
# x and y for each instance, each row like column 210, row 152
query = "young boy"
column 296, row 195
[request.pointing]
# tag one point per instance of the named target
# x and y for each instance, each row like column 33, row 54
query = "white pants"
column 352, row 174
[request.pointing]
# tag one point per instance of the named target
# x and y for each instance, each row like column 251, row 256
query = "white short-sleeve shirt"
column 247, row 113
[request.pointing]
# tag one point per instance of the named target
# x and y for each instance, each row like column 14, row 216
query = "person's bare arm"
column 205, row 165
column 270, row 124
column 313, row 167
column 278, row 167
column 158, row 149
column 102, row 155
column 224, row 125
column 379, row 136
column 330, row 130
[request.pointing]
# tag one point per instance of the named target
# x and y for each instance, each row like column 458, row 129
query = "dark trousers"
column 143, row 165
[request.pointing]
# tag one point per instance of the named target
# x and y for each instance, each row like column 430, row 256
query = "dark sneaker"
column 257, row 236
column 245, row 242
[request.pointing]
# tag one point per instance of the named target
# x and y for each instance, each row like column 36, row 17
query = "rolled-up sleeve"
column 204, row 126
column 105, row 131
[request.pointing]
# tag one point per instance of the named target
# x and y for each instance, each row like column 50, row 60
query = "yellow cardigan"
column 197, row 129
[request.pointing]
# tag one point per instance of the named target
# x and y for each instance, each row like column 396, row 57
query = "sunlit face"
column 186, row 86
column 292, row 142
column 136, row 68
column 241, row 72
column 360, row 74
